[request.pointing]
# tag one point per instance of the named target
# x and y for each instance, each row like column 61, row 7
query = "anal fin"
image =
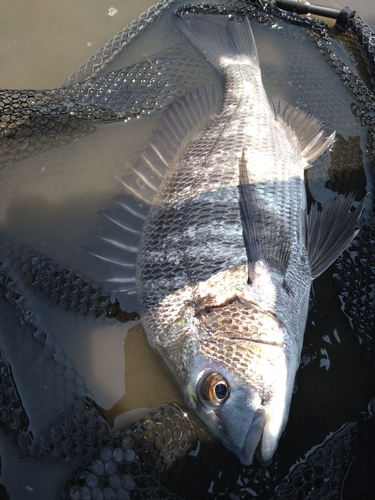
column 330, row 231
column 309, row 130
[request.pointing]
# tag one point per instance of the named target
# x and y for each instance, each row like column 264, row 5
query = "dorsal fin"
column 330, row 231
column 309, row 130
column 121, row 238
column 181, row 120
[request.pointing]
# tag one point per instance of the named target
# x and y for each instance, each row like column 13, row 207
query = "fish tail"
column 219, row 43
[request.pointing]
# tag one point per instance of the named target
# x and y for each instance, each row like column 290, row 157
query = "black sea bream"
column 228, row 252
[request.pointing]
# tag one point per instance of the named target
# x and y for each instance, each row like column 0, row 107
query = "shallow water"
column 41, row 202
column 41, row 43
column 41, row 46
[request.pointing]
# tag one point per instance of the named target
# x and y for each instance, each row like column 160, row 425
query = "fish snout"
column 275, row 423
column 253, row 437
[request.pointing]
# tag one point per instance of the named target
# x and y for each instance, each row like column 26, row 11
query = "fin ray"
column 121, row 237
column 218, row 42
column 330, row 231
column 308, row 130
column 116, row 243
column 110, row 260
column 123, row 205
column 115, row 220
column 183, row 118
column 261, row 236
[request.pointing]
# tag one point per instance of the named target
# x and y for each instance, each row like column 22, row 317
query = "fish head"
column 241, row 378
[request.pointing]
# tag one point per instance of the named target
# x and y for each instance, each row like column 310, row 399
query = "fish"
column 228, row 251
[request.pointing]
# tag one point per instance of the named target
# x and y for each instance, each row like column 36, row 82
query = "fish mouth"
column 253, row 437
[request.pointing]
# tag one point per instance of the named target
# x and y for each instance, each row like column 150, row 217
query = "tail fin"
column 218, row 42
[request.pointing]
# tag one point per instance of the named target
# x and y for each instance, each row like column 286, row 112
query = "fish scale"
column 226, row 232
column 318, row 476
column 211, row 185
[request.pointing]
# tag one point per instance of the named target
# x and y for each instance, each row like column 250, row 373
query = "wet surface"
column 48, row 202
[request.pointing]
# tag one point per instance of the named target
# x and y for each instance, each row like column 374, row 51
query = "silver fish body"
column 225, row 264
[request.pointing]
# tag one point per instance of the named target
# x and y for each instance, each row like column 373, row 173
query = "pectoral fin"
column 330, row 231
column 265, row 237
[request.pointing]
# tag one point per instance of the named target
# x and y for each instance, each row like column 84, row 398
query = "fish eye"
column 214, row 389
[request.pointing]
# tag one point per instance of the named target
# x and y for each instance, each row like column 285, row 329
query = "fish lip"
column 253, row 437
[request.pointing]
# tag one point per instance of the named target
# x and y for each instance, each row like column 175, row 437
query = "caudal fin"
column 218, row 42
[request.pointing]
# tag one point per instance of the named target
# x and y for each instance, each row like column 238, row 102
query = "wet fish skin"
column 223, row 273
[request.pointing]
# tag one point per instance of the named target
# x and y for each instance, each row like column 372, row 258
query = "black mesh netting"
column 327, row 451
